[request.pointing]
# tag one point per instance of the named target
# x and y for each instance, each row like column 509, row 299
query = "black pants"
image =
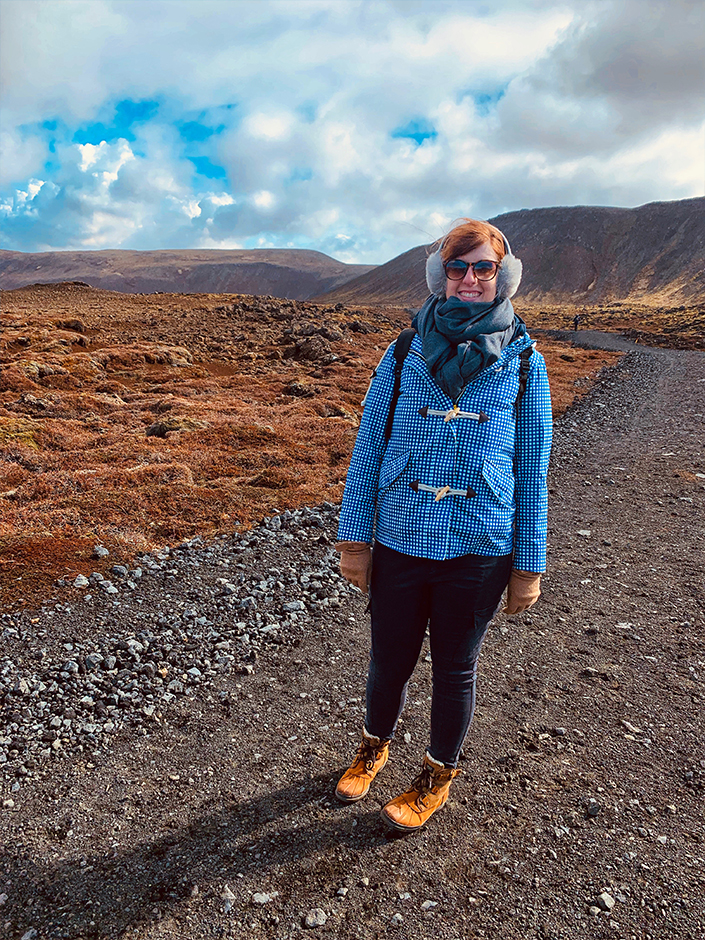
column 457, row 599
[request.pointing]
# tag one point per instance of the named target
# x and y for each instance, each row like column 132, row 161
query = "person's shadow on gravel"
column 104, row 895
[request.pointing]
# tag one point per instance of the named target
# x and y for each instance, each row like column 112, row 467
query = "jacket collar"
column 417, row 362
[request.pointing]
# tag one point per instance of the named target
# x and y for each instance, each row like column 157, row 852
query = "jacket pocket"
column 499, row 476
column 392, row 468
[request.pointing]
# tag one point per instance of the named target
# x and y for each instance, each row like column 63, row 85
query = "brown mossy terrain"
column 136, row 421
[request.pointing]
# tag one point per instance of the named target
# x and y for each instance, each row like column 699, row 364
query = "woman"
column 455, row 500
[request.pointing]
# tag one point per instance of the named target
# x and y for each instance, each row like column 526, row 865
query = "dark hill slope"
column 295, row 274
column 582, row 254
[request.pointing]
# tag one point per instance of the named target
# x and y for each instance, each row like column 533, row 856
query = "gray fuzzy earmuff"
column 508, row 276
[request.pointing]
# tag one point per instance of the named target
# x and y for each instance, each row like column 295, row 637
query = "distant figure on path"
column 445, row 504
column 576, row 322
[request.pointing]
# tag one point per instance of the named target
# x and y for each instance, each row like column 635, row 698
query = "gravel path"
column 170, row 740
column 595, row 339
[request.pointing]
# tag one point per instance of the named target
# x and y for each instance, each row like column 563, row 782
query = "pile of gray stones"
column 121, row 651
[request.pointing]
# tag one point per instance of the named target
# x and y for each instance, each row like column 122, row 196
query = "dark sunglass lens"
column 484, row 270
column 456, row 270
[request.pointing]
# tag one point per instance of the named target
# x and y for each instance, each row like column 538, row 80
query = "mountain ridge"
column 653, row 253
column 292, row 274
column 576, row 254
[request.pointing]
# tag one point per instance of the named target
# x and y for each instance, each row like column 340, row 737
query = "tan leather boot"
column 371, row 756
column 427, row 793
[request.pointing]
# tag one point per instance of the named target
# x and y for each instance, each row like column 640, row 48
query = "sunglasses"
column 483, row 270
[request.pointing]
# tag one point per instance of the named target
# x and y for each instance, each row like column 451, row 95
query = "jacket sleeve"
column 360, row 496
column 532, row 451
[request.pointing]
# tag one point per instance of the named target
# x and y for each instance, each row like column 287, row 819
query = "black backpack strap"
column 524, row 357
column 401, row 348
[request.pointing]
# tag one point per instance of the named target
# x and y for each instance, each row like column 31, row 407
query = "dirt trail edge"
column 170, row 741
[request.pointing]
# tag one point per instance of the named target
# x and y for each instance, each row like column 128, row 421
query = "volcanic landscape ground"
column 172, row 724
column 135, row 421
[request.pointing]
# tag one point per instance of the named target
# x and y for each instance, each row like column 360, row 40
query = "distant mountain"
column 581, row 254
column 296, row 274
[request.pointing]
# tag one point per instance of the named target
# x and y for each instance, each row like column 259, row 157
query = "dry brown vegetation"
column 136, row 421
column 678, row 327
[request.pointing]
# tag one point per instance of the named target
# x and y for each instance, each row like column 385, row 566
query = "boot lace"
column 423, row 783
column 368, row 753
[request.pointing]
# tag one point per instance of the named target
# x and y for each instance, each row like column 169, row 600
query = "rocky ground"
column 171, row 731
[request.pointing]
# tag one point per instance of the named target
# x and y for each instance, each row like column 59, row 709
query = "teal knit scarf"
column 461, row 339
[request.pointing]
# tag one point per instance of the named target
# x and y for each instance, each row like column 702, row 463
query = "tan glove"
column 355, row 563
column 523, row 591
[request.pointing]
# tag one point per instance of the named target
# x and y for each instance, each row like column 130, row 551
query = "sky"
column 359, row 128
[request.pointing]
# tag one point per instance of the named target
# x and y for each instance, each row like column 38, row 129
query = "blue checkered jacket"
column 442, row 488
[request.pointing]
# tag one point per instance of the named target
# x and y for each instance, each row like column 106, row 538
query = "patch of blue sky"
column 206, row 167
column 127, row 114
column 485, row 101
column 49, row 130
column 300, row 174
column 308, row 111
column 417, row 130
column 98, row 132
column 197, row 132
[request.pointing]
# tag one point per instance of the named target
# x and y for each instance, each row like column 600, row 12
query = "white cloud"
column 90, row 154
column 270, row 126
column 107, row 159
column 221, row 200
column 21, row 155
column 622, row 71
column 263, row 199
column 191, row 208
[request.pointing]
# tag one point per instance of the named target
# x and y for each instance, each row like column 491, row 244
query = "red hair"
column 470, row 234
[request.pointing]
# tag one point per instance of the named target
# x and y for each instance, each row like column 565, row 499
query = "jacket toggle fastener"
column 454, row 412
column 441, row 491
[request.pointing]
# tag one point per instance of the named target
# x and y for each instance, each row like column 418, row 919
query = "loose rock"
column 315, row 918
column 262, row 898
column 605, row 901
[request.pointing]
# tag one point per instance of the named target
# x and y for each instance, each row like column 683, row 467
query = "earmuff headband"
column 508, row 275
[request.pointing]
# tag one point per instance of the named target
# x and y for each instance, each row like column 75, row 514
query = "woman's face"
column 470, row 289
